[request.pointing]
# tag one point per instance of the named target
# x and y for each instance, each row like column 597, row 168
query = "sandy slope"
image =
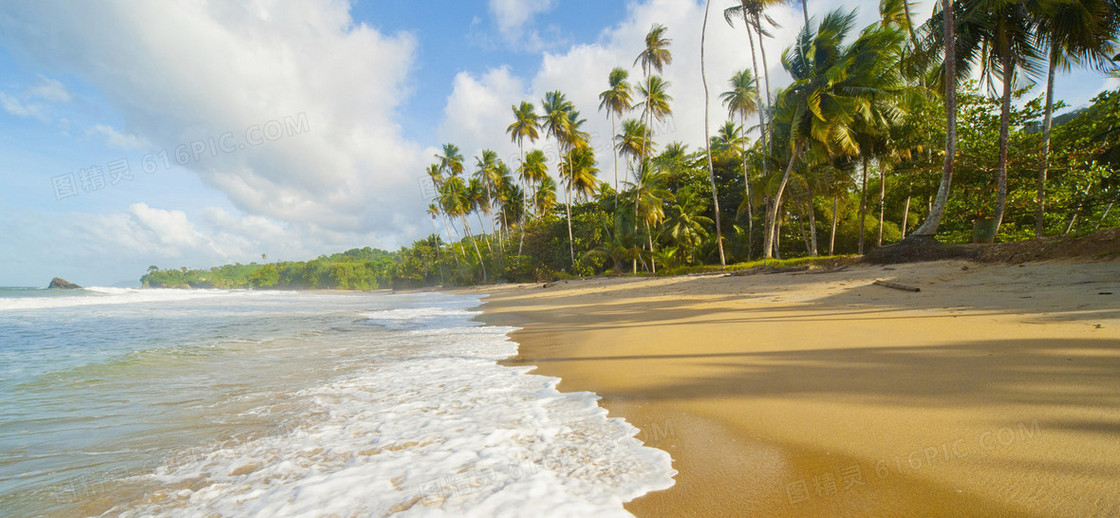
column 993, row 391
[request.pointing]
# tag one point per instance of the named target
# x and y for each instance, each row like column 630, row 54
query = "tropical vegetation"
column 951, row 130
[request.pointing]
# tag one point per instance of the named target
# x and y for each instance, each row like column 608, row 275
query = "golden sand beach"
column 994, row 391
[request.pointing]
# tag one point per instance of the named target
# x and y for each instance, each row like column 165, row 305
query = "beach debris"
column 546, row 285
column 897, row 286
column 59, row 283
column 964, row 268
column 1098, row 326
column 1105, row 293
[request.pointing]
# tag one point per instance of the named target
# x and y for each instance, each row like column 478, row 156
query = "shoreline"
column 992, row 391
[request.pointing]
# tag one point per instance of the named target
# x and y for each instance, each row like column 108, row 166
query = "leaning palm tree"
column 1075, row 32
column 742, row 100
column 832, row 84
column 946, row 21
column 616, row 101
column 525, row 125
column 653, row 58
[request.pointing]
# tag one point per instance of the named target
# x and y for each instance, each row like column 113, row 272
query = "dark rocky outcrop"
column 58, row 283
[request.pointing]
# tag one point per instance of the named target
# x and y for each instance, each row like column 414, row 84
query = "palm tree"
column 650, row 199
column 544, row 198
column 557, row 122
column 525, row 125
column 486, row 173
column 616, row 100
column 832, row 84
column 753, row 12
column 534, row 169
column 708, row 138
column 634, row 142
column 744, row 9
column 451, row 161
column 1074, row 32
column 998, row 35
column 742, row 100
column 947, row 21
column 456, row 201
column 653, row 58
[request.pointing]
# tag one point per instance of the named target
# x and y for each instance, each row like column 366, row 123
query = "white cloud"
column 50, row 90
column 179, row 72
column 117, row 139
column 580, row 71
column 512, row 15
column 478, row 112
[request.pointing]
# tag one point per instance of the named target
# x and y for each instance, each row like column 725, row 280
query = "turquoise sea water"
column 171, row 402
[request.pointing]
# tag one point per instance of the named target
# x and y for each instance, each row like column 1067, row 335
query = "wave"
column 98, row 296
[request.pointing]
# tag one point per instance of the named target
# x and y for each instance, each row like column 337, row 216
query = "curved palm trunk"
column 832, row 236
column 937, row 209
column 1047, row 121
column 708, row 138
column 652, row 259
column 805, row 11
column 1004, row 132
column 571, row 240
column 772, row 216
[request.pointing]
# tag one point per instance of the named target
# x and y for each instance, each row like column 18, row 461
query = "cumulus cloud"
column 580, row 71
column 181, row 72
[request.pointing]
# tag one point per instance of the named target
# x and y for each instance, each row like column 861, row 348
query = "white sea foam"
column 440, row 430
column 97, row 296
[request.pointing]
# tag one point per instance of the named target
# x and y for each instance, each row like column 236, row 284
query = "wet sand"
column 995, row 390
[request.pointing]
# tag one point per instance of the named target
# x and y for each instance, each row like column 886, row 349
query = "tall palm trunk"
column 832, row 236
column 747, row 187
column 1047, row 122
column 937, row 209
column 568, row 208
column 524, row 196
column 805, row 11
column 1004, row 134
column 812, row 224
column 762, row 129
column 708, row 138
column 772, row 216
column 765, row 69
column 615, row 150
column 863, row 206
column 652, row 259
column 882, row 202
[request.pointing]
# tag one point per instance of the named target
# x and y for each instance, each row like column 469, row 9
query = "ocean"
column 141, row 402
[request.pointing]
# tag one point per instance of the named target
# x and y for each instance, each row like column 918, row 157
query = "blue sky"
column 183, row 133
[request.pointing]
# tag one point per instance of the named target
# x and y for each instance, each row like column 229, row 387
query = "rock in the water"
column 62, row 284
